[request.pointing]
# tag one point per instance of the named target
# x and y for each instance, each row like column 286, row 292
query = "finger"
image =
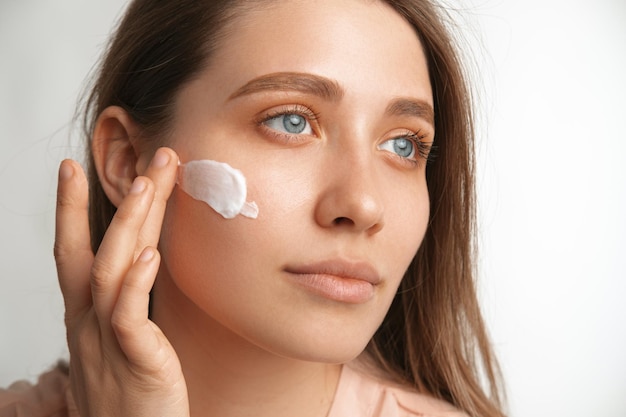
column 162, row 171
column 72, row 244
column 116, row 253
column 134, row 331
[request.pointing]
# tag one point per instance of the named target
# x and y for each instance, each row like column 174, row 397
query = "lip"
column 340, row 280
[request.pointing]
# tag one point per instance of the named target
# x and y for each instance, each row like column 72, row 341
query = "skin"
column 227, row 308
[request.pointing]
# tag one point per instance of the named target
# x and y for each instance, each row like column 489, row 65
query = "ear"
column 115, row 152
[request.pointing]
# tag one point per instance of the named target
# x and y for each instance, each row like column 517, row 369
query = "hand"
column 121, row 364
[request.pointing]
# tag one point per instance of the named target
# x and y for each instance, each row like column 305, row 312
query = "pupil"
column 403, row 147
column 294, row 123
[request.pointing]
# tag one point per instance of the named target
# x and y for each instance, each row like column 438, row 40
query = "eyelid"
column 423, row 149
column 277, row 111
column 299, row 109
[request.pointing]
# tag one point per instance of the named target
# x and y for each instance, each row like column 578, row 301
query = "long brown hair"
column 433, row 336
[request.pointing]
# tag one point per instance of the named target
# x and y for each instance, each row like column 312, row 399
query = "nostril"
column 343, row 220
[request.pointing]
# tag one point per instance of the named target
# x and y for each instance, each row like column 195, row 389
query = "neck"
column 229, row 376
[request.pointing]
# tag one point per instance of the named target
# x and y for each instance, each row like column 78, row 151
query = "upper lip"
column 342, row 268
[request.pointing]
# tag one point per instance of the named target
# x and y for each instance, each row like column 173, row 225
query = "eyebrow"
column 329, row 90
column 411, row 107
column 292, row 81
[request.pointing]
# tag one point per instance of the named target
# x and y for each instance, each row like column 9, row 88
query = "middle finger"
column 162, row 171
column 116, row 253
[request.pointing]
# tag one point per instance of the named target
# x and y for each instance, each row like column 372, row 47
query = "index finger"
column 72, row 244
column 162, row 171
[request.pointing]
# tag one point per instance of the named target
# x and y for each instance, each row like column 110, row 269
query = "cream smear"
column 219, row 185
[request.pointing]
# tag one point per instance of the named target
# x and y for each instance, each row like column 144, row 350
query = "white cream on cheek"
column 219, row 185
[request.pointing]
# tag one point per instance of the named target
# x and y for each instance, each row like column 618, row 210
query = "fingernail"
column 161, row 158
column 65, row 171
column 138, row 186
column 146, row 255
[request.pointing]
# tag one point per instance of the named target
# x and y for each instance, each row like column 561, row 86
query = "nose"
column 351, row 195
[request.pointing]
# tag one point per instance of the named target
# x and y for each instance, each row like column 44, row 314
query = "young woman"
column 346, row 289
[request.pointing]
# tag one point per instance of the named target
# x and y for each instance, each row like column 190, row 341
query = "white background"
column 552, row 182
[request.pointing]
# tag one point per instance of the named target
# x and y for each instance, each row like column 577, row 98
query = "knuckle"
column 61, row 251
column 84, row 339
column 101, row 273
column 65, row 200
column 122, row 324
column 125, row 214
column 133, row 287
column 70, row 254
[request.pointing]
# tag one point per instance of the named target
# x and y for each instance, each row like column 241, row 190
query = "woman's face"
column 326, row 108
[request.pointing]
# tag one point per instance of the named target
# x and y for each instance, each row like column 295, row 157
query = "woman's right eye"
column 289, row 123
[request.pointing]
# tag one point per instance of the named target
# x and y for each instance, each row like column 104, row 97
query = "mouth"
column 337, row 280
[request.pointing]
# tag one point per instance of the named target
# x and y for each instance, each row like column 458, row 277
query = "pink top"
column 358, row 395
column 51, row 397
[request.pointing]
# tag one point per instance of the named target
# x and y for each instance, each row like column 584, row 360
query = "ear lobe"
column 114, row 153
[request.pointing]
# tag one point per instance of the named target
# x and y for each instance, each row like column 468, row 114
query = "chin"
column 319, row 342
column 325, row 352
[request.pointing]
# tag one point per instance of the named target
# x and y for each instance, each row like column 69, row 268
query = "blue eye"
column 401, row 146
column 291, row 123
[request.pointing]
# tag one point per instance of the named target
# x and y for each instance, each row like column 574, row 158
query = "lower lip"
column 346, row 290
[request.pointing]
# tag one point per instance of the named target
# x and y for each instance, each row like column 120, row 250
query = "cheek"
column 201, row 249
column 407, row 222
column 282, row 182
column 213, row 260
column 231, row 269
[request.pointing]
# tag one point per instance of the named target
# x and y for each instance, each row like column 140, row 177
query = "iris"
column 294, row 123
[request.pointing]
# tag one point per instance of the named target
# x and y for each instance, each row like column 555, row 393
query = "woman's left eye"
column 401, row 146
column 291, row 123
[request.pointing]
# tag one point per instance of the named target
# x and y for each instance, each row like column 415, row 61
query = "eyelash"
column 310, row 116
column 424, row 151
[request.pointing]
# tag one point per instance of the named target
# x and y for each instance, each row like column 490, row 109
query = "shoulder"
column 410, row 403
column 362, row 394
column 49, row 397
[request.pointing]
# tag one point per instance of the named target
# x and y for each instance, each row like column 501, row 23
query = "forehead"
column 356, row 42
